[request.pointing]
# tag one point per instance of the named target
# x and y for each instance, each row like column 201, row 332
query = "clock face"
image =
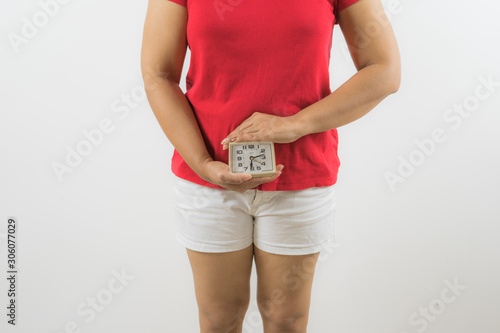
column 256, row 158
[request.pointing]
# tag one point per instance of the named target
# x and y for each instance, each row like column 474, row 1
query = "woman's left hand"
column 265, row 127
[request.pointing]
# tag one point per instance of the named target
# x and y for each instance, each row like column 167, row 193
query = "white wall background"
column 399, row 248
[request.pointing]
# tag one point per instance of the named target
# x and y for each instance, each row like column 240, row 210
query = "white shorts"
column 280, row 222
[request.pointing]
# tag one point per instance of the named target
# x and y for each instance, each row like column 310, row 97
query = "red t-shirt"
column 266, row 56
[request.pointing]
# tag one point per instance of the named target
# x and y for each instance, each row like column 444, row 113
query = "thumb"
column 239, row 177
column 246, row 176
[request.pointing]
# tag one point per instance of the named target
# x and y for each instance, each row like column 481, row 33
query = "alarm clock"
column 256, row 158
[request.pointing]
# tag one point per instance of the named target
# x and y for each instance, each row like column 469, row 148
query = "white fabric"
column 280, row 222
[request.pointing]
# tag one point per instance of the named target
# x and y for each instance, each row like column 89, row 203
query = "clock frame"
column 256, row 155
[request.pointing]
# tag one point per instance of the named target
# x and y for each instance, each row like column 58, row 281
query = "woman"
column 259, row 71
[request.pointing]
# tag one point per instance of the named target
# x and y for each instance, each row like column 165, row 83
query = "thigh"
column 222, row 284
column 284, row 284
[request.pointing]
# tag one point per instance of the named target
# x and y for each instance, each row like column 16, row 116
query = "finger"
column 246, row 126
column 235, row 178
column 233, row 137
column 262, row 180
column 252, row 135
column 238, row 138
column 247, row 123
column 255, row 181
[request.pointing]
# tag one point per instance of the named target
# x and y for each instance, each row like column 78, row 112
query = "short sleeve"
column 180, row 2
column 341, row 4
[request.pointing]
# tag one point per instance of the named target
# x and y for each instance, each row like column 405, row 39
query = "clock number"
column 252, row 157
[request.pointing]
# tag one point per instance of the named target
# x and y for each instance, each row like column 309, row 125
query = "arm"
column 377, row 60
column 162, row 56
column 379, row 73
column 163, row 50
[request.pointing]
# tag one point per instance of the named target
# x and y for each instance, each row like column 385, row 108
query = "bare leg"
column 284, row 284
column 222, row 288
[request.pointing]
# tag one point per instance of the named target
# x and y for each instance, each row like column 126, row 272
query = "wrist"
column 202, row 169
column 299, row 125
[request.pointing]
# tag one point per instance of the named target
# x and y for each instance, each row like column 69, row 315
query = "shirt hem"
column 271, row 186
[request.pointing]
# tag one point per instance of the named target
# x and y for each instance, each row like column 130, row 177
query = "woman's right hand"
column 218, row 173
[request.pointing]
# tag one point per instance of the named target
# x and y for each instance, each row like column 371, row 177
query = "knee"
column 223, row 319
column 284, row 321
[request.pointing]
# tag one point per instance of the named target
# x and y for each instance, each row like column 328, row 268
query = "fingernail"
column 234, row 139
column 223, row 141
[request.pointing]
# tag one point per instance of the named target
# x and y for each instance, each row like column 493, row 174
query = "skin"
column 222, row 288
column 222, row 279
column 377, row 62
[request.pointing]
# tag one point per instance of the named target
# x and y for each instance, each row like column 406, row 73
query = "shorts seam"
column 328, row 242
column 236, row 246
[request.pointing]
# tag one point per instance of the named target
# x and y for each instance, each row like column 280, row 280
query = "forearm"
column 352, row 100
column 176, row 118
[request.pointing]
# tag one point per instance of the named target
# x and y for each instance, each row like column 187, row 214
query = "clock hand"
column 254, row 158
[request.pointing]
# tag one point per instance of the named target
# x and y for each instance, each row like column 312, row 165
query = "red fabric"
column 180, row 2
column 266, row 56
